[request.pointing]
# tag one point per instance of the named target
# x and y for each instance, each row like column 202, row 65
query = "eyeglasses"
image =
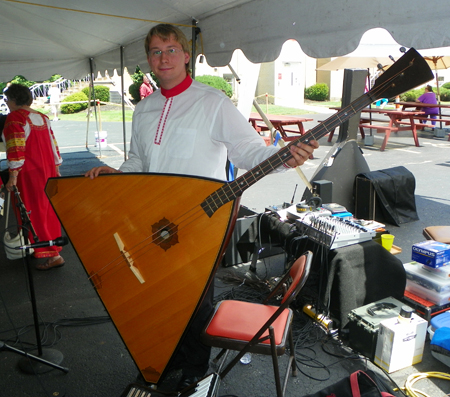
column 171, row 52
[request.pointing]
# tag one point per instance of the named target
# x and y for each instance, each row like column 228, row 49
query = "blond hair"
column 165, row 31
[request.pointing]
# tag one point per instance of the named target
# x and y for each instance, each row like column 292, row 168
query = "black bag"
column 358, row 384
column 395, row 199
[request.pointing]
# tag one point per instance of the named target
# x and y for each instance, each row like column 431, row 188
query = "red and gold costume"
column 32, row 150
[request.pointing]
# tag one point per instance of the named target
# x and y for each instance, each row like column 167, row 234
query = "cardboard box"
column 431, row 253
column 400, row 344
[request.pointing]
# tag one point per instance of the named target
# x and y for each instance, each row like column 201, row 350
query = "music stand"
column 46, row 359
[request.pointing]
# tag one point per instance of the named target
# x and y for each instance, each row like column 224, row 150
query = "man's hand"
column 12, row 181
column 301, row 152
column 96, row 171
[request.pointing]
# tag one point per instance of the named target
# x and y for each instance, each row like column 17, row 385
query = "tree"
column 217, row 82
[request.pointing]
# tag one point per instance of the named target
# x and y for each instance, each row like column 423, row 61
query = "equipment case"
column 364, row 323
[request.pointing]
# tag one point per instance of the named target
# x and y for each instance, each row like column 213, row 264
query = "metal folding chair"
column 259, row 328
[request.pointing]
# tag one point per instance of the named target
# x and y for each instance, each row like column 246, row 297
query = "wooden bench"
column 363, row 121
column 386, row 129
column 446, row 121
column 422, row 125
column 259, row 127
column 369, row 120
column 378, row 127
column 331, row 134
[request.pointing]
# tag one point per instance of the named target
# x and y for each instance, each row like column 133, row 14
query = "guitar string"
column 320, row 131
column 268, row 165
column 323, row 128
column 134, row 250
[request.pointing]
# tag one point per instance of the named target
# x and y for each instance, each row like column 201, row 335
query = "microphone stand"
column 46, row 359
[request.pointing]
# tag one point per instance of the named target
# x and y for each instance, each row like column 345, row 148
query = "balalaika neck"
column 230, row 191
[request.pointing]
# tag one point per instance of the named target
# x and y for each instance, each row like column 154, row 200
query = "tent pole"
column 195, row 32
column 91, row 67
column 88, row 118
column 123, row 104
column 438, row 93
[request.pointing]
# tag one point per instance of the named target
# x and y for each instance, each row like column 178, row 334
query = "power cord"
column 412, row 379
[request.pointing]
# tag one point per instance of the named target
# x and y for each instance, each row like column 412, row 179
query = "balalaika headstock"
column 408, row 72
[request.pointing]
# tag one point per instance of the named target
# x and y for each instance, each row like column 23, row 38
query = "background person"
column 55, row 99
column 6, row 87
column 146, row 88
column 32, row 157
column 190, row 128
column 4, row 95
column 429, row 97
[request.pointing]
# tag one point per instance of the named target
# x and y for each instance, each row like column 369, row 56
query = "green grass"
column 116, row 115
column 106, row 116
column 326, row 104
column 281, row 110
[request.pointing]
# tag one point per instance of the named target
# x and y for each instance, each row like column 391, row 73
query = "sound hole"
column 165, row 234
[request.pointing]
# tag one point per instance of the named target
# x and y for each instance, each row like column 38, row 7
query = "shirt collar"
column 177, row 90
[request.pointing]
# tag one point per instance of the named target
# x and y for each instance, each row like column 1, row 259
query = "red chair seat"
column 250, row 317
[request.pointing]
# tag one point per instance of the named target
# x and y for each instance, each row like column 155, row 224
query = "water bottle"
column 246, row 358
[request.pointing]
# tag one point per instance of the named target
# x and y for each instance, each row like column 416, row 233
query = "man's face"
column 167, row 61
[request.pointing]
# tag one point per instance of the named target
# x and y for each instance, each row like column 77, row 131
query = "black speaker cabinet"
column 245, row 219
column 247, row 232
column 386, row 196
column 365, row 199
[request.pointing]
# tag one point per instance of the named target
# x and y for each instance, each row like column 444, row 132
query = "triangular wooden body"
column 167, row 238
column 152, row 242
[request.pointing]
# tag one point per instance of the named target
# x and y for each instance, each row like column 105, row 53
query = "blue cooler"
column 441, row 320
column 440, row 337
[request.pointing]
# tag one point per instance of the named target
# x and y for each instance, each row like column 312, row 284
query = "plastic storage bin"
column 428, row 294
column 426, row 279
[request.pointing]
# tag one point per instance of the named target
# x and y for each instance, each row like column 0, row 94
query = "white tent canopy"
column 42, row 37
column 355, row 63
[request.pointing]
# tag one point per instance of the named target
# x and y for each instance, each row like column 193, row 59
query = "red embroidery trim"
column 169, row 94
column 162, row 121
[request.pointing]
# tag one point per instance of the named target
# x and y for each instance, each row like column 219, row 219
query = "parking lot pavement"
column 78, row 324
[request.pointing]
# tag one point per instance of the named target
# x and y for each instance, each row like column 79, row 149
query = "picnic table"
column 398, row 120
column 443, row 118
column 283, row 124
column 406, row 105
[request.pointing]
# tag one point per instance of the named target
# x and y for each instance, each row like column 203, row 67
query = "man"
column 190, row 128
column 145, row 89
column 5, row 99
